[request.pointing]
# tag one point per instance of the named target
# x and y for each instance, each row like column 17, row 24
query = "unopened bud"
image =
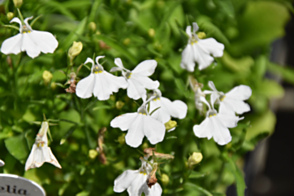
column 92, row 26
column 75, row 49
column 121, row 139
column 93, row 154
column 119, row 105
column 170, row 125
column 47, row 77
column 9, row 15
column 53, row 85
column 201, row 35
column 17, row 3
column 164, row 179
column 194, row 159
column 151, row 32
column 127, row 41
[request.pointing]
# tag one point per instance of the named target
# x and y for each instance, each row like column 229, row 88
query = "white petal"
column 145, row 68
column 15, row 19
column 12, row 45
column 178, row 109
column 155, row 190
column 29, row 162
column 220, row 133
column 188, row 31
column 213, row 97
column 114, row 69
column 124, row 121
column 211, row 46
column 124, row 181
column 153, row 129
column 228, row 120
column 201, row 57
column 29, row 46
column 195, row 27
column 84, row 88
column 230, row 106
column 241, row 92
column 212, row 86
column 135, row 134
column 135, row 89
column 89, row 60
column 53, row 159
column 118, row 62
column 187, row 61
column 162, row 114
column 97, row 59
column 46, row 42
column 204, row 130
column 138, row 185
column 1, row 163
column 146, row 82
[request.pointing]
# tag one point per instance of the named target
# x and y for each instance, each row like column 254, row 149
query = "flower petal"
column 135, row 89
column 155, row 190
column 46, row 42
column 220, row 132
column 118, row 62
column 228, row 120
column 188, row 31
column 124, row 121
column 53, row 159
column 204, row 130
column 145, row 68
column 241, row 92
column 201, row 57
column 153, row 129
column 1, row 163
column 138, row 185
column 85, row 87
column 187, row 61
column 230, row 106
column 125, row 180
column 161, row 114
column 12, row 45
column 211, row 46
column 29, row 46
column 30, row 160
column 178, row 108
column 135, row 134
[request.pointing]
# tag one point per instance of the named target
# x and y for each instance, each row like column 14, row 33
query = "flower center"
column 194, row 39
column 211, row 113
column 143, row 172
column 25, row 29
column 128, row 74
column 97, row 69
column 222, row 97
column 142, row 110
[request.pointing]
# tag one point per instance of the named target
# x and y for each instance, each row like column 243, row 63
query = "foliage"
column 136, row 31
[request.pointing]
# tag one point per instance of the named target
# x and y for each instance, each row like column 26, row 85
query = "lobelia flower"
column 137, row 79
column 166, row 108
column 139, row 124
column 233, row 101
column 135, row 181
column 29, row 40
column 40, row 152
column 196, row 87
column 100, row 83
column 199, row 50
column 1, row 163
column 216, row 125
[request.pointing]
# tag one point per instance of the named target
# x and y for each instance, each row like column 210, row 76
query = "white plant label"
column 12, row 185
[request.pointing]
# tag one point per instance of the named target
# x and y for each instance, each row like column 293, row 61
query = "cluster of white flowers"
column 216, row 124
column 151, row 116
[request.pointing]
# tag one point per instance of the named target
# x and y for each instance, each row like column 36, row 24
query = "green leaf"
column 286, row 72
column 241, row 65
column 260, row 123
column 17, row 147
column 239, row 178
column 199, row 188
column 270, row 89
column 195, row 175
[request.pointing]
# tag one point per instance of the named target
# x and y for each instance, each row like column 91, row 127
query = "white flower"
column 216, row 125
column 29, row 40
column 196, row 87
column 139, row 124
column 1, row 163
column 135, row 182
column 233, row 101
column 138, row 80
column 166, row 108
column 100, row 83
column 199, row 50
column 40, row 152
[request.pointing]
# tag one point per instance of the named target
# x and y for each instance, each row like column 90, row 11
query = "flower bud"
column 92, row 26
column 164, row 179
column 17, row 3
column 93, row 154
column 53, row 85
column 151, row 32
column 194, row 159
column 9, row 15
column 127, row 41
column 119, row 105
column 75, row 49
column 121, row 139
column 47, row 76
column 170, row 125
column 201, row 35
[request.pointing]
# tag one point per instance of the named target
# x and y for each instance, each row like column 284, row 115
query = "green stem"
column 20, row 16
column 219, row 175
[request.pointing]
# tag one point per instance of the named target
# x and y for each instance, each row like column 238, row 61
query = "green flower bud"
column 53, row 85
column 164, row 179
column 17, row 3
column 201, row 35
column 47, row 76
column 151, row 32
column 75, row 49
column 119, row 105
column 9, row 15
column 194, row 159
column 121, row 139
column 127, row 41
column 93, row 154
column 170, row 124
column 92, row 26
